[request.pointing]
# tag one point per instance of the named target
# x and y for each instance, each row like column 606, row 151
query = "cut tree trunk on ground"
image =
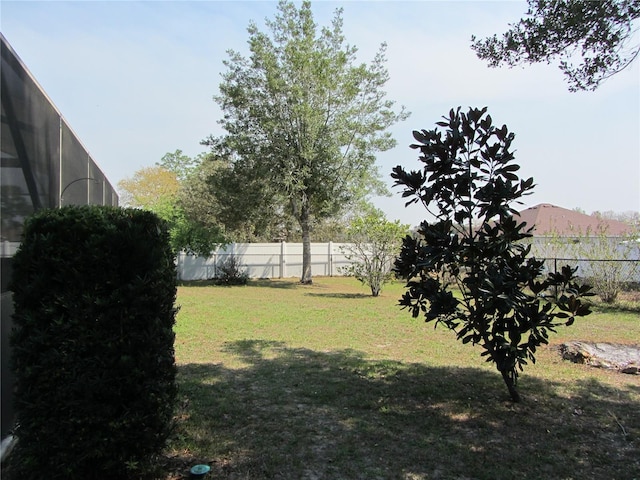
column 623, row 358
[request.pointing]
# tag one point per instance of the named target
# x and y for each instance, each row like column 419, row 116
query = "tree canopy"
column 601, row 32
column 180, row 164
column 303, row 120
column 162, row 191
column 151, row 188
column 220, row 192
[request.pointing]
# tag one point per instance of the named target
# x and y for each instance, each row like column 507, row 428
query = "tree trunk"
column 306, row 246
column 511, row 385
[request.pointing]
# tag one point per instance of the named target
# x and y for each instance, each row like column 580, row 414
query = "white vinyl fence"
column 283, row 260
column 266, row 260
column 620, row 259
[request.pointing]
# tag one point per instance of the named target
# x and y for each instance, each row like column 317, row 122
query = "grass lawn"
column 287, row 381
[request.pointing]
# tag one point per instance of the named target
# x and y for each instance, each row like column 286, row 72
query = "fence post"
column 330, row 258
column 215, row 264
column 178, row 269
column 283, row 250
column 555, row 270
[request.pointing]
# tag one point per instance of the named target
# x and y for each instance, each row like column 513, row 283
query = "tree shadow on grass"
column 265, row 283
column 197, row 283
column 279, row 284
column 252, row 351
column 295, row 413
column 339, row 295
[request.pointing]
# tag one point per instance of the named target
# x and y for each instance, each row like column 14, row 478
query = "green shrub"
column 94, row 292
column 231, row 272
column 373, row 247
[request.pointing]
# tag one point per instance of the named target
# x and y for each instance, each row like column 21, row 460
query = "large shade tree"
column 219, row 193
column 592, row 40
column 304, row 120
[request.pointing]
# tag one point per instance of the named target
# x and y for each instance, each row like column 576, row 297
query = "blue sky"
column 135, row 80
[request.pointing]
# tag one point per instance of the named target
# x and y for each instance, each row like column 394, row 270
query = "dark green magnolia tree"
column 601, row 33
column 468, row 269
column 303, row 121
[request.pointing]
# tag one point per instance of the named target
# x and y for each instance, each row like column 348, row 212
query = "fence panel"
column 284, row 260
column 266, row 260
column 625, row 270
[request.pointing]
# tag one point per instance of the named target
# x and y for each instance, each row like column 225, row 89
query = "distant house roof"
column 552, row 220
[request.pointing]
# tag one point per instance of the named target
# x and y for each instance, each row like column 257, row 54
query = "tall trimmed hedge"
column 94, row 293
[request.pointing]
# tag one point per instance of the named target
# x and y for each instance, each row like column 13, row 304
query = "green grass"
column 287, row 381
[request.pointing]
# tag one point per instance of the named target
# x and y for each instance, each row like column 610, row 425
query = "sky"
column 136, row 80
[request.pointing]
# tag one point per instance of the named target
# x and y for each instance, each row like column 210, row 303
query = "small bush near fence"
column 94, row 292
column 608, row 277
column 230, row 271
